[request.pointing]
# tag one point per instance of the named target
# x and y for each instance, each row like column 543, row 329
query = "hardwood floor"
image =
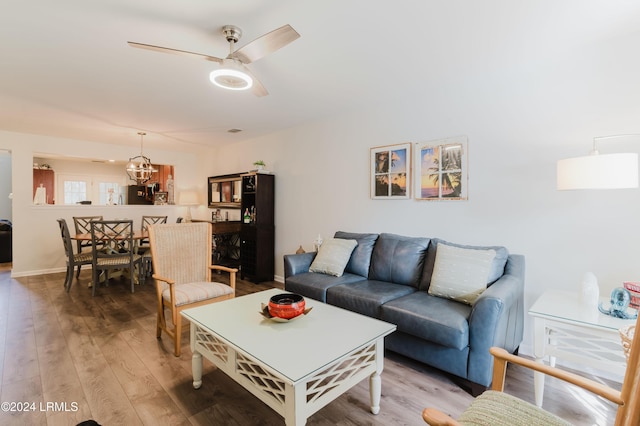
column 98, row 358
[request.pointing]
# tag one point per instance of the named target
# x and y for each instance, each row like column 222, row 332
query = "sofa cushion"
column 365, row 297
column 497, row 267
column 398, row 259
column 315, row 286
column 333, row 256
column 361, row 256
column 461, row 274
column 438, row 320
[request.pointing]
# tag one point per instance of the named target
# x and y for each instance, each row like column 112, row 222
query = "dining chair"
column 143, row 245
column 494, row 407
column 73, row 259
column 82, row 225
column 118, row 251
column 182, row 268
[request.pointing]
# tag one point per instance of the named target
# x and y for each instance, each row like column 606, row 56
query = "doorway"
column 6, row 227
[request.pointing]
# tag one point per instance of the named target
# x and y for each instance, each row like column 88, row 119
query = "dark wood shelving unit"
column 257, row 233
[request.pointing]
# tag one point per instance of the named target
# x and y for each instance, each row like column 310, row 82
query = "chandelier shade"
column 139, row 168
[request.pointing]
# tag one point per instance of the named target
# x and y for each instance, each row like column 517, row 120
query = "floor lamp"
column 599, row 171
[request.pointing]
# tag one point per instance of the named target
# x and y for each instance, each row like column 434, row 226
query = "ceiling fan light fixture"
column 231, row 79
column 231, row 76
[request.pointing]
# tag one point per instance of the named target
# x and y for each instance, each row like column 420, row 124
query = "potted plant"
column 259, row 164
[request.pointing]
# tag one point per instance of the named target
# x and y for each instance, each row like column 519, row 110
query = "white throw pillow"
column 333, row 256
column 461, row 274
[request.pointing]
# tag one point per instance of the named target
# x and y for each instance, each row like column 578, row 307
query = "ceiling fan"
column 233, row 73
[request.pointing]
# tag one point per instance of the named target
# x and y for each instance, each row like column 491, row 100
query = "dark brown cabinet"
column 257, row 233
column 44, row 178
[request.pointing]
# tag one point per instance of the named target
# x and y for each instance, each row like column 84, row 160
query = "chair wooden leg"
column 78, row 273
column 161, row 323
column 68, row 278
column 177, row 334
column 95, row 279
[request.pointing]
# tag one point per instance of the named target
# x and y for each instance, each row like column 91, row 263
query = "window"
column 100, row 190
column 74, row 191
column 108, row 193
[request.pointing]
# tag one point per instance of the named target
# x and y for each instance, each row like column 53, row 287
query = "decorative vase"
column 589, row 290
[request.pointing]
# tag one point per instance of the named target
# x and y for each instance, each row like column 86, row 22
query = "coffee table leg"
column 375, row 381
column 196, row 369
column 295, row 413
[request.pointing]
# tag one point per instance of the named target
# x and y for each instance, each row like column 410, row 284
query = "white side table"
column 567, row 329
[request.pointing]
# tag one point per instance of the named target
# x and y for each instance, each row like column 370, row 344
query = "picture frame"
column 442, row 169
column 390, row 173
column 160, row 198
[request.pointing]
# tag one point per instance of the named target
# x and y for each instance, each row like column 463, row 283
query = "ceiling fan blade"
column 266, row 44
column 174, row 51
column 258, row 89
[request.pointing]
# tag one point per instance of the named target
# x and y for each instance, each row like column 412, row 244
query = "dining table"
column 137, row 236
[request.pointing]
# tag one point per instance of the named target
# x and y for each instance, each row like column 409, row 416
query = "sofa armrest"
column 497, row 319
column 297, row 263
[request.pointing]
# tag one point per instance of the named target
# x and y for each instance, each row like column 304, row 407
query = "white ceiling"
column 66, row 69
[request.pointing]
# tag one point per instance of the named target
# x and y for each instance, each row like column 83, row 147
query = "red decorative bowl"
column 286, row 305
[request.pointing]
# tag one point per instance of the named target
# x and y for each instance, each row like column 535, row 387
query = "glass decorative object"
column 620, row 299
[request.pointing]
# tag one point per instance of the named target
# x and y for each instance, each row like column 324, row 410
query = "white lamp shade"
column 609, row 171
column 189, row 198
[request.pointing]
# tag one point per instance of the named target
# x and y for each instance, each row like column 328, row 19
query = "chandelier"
column 139, row 168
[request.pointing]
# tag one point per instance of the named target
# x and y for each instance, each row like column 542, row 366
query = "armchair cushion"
column 195, row 292
column 501, row 409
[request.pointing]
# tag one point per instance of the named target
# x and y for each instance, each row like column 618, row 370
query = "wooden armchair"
column 494, row 407
column 182, row 268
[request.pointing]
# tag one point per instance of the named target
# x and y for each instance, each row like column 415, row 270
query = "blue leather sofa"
column 388, row 277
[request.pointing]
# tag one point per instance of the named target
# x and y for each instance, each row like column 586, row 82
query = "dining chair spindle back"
column 83, row 226
column 118, row 251
column 73, row 259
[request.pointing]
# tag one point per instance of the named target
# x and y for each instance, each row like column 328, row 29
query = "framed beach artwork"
column 441, row 169
column 391, row 172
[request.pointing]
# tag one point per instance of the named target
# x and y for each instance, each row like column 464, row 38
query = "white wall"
column 517, row 129
column 37, row 247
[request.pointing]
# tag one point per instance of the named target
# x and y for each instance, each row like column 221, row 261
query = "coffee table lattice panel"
column 342, row 371
column 215, row 347
column 261, row 378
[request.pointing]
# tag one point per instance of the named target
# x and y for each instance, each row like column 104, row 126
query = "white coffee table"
column 567, row 329
column 295, row 368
